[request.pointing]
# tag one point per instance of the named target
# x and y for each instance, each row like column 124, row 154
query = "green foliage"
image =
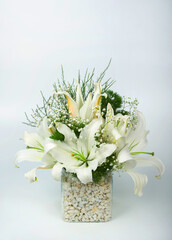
column 122, row 111
column 48, row 109
column 87, row 83
column 76, row 127
column 114, row 99
column 106, row 168
column 53, row 106
column 57, row 136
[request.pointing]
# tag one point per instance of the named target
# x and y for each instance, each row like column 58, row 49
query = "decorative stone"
column 89, row 202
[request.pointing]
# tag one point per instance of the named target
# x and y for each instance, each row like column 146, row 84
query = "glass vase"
column 89, row 202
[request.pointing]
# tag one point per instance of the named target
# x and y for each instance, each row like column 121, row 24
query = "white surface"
column 38, row 36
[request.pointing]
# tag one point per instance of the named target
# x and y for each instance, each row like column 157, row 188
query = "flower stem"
column 149, row 153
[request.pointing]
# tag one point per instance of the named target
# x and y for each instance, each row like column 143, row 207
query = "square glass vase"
column 91, row 202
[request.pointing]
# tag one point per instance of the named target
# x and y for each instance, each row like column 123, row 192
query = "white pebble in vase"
column 89, row 202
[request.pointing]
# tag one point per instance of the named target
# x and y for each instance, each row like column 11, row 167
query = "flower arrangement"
column 90, row 131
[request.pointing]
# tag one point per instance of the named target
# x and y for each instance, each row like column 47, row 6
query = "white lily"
column 115, row 126
column 85, row 110
column 35, row 150
column 129, row 155
column 78, row 155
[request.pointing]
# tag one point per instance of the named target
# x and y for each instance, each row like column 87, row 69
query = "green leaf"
column 114, row 99
column 57, row 136
column 107, row 167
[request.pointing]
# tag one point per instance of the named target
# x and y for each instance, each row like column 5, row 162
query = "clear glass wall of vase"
column 89, row 202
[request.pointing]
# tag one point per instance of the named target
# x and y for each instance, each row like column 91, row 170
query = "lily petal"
column 140, row 180
column 84, row 174
column 54, row 144
column 93, row 164
column 48, row 160
column 124, row 155
column 56, row 171
column 42, row 129
column 88, row 133
column 115, row 133
column 79, row 97
column 72, row 106
column 136, row 138
column 110, row 113
column 104, row 151
column 149, row 162
column 61, row 152
column 122, row 127
column 33, row 140
column 121, row 143
column 96, row 101
column 70, row 137
column 129, row 165
column 110, row 131
column 30, row 155
column 86, row 110
column 97, row 94
column 31, row 175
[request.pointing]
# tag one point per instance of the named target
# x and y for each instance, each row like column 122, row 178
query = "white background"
column 38, row 36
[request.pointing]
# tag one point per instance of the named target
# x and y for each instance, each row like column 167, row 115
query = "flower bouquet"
column 85, row 132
